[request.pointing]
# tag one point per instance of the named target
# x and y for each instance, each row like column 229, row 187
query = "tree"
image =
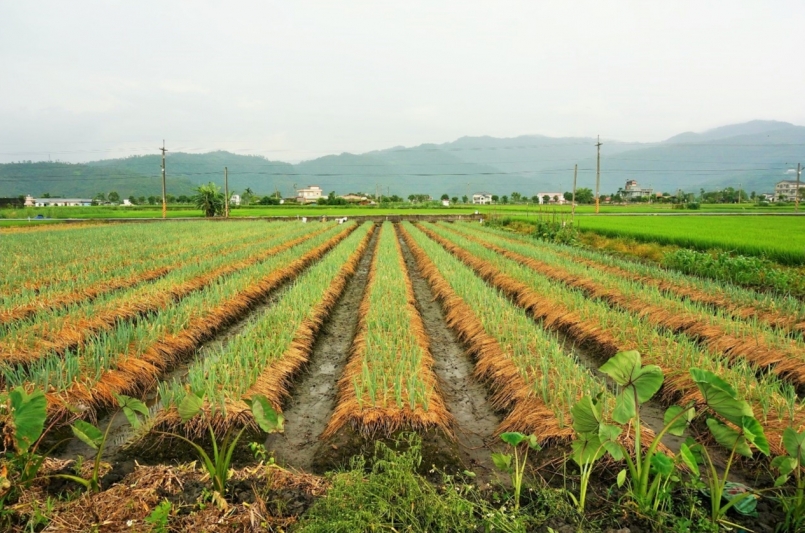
column 183, row 199
column 152, row 200
column 495, row 198
column 141, row 200
column 247, row 196
column 584, row 196
column 464, row 199
column 45, row 195
column 209, row 199
column 445, row 196
column 454, row 200
column 169, row 198
column 100, row 197
column 268, row 200
column 132, row 200
column 504, row 199
column 114, row 197
column 535, row 199
column 516, row 196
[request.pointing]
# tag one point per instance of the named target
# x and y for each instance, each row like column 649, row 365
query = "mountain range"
column 752, row 155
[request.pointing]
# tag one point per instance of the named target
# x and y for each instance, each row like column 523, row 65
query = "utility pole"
column 226, row 193
column 597, row 174
column 573, row 202
column 164, row 197
column 796, row 193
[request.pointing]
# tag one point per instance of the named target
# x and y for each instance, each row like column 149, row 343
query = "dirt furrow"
column 314, row 395
column 466, row 398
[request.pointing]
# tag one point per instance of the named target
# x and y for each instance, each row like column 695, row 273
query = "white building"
column 787, row 189
column 234, row 199
column 59, row 202
column 553, row 198
column 482, row 198
column 311, row 193
column 446, row 203
column 633, row 190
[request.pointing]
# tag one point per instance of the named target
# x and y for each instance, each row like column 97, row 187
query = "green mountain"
column 753, row 155
column 69, row 180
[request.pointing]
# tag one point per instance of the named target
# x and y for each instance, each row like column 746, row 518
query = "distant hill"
column 754, row 154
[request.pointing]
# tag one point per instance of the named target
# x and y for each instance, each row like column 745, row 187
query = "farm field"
column 332, row 360
column 780, row 239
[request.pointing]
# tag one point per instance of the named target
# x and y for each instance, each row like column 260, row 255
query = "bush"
column 693, row 205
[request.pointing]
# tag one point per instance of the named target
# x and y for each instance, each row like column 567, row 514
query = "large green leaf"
column 190, row 406
column 586, row 416
column 690, row 459
column 30, row 412
column 753, row 432
column 265, row 415
column 624, row 410
column 662, row 464
column 720, row 396
column 727, row 437
column 502, row 461
column 626, row 370
column 512, row 438
column 678, row 426
column 587, row 449
column 88, row 433
column 131, row 408
column 794, row 444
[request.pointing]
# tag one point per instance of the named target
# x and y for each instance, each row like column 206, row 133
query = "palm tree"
column 209, row 199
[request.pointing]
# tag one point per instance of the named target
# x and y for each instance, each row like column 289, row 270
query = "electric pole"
column 796, row 193
column 226, row 193
column 597, row 174
column 164, row 197
column 573, row 202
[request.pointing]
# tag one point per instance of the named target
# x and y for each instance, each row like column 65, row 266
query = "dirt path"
column 313, row 398
column 466, row 398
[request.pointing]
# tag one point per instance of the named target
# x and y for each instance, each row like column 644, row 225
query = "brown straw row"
column 372, row 420
column 135, row 374
column 492, row 364
column 787, row 362
column 73, row 333
column 678, row 384
column 84, row 295
column 675, row 288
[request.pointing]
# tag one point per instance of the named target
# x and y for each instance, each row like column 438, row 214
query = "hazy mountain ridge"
column 754, row 154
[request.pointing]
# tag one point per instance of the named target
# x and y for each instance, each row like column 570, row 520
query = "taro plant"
column 650, row 472
column 96, row 439
column 734, row 426
column 788, row 465
column 593, row 439
column 22, row 416
column 517, row 469
column 217, row 464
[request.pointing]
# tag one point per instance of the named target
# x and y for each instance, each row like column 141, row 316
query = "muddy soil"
column 465, row 397
column 314, row 395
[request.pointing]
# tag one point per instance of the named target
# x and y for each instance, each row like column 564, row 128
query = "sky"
column 86, row 80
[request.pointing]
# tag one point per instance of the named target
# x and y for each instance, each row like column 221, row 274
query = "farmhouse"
column 309, row 194
column 482, row 198
column 633, row 190
column 30, row 201
column 552, row 198
column 787, row 190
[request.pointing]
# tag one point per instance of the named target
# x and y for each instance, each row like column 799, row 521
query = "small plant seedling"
column 517, row 470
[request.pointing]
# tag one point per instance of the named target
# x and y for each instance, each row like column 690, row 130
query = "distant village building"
column 355, row 198
column 60, row 202
column 309, row 194
column 482, row 198
column 234, row 199
column 446, row 203
column 768, row 197
column 553, row 198
column 633, row 190
column 29, row 201
column 786, row 190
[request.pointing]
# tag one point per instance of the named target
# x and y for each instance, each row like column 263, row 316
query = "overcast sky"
column 84, row 80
